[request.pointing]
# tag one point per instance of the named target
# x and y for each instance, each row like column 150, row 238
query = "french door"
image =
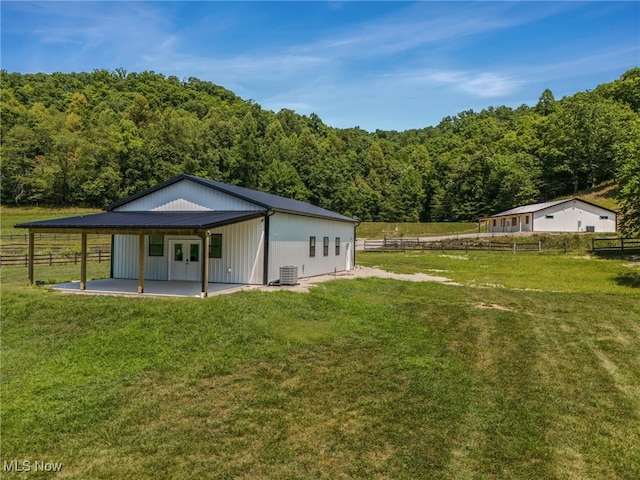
column 185, row 262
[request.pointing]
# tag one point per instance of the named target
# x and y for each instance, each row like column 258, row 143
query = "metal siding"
column 156, row 268
column 242, row 253
column 289, row 244
column 567, row 215
column 125, row 259
column 125, row 256
column 187, row 195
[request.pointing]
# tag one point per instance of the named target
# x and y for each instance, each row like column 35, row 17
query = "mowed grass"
column 365, row 378
column 10, row 216
column 378, row 230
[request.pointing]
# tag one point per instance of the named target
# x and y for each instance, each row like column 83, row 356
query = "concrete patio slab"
column 117, row 286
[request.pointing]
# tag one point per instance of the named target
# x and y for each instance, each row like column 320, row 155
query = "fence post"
column 489, row 245
column 99, row 256
column 75, row 258
column 539, row 246
column 622, row 243
column 50, row 259
column 26, row 260
column 565, row 245
column 593, row 244
column 514, row 248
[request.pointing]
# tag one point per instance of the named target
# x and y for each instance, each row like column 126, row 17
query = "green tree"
column 628, row 178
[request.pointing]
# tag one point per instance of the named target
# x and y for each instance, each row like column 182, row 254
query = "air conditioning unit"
column 288, row 275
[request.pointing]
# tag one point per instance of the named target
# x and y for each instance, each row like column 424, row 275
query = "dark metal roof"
column 262, row 199
column 157, row 220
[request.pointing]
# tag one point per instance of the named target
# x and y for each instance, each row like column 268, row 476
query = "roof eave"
column 305, row 214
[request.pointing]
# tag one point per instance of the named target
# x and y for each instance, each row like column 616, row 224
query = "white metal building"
column 194, row 229
column 572, row 215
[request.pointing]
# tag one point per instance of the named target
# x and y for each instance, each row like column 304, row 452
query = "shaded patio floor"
column 117, row 286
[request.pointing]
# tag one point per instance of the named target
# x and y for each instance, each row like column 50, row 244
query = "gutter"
column 265, row 249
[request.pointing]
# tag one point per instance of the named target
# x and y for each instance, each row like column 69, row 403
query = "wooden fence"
column 403, row 244
column 52, row 249
column 615, row 244
column 53, row 258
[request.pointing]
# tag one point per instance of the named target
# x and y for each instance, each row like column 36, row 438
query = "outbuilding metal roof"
column 261, row 199
column 157, row 220
column 536, row 207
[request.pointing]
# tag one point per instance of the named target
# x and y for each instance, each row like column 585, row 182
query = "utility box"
column 289, row 275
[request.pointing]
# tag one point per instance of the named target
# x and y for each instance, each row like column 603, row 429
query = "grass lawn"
column 378, row 230
column 530, row 369
column 9, row 216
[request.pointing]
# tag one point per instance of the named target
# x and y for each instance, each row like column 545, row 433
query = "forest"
column 91, row 138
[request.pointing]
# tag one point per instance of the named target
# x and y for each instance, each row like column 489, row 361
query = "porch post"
column 206, row 239
column 83, row 262
column 31, row 257
column 141, row 263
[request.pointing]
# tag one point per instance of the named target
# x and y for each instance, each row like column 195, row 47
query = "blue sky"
column 376, row 65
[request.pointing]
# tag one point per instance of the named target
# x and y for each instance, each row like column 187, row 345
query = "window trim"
column 312, row 246
column 325, row 246
column 156, row 248
column 215, row 242
column 337, row 246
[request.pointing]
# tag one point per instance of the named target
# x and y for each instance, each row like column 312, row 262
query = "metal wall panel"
column 241, row 262
column 574, row 216
column 187, row 195
column 242, row 253
column 289, row 245
column 125, row 259
column 125, row 256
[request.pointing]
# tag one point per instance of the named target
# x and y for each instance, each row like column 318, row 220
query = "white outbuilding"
column 194, row 229
column 572, row 215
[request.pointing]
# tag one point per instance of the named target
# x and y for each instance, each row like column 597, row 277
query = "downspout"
column 204, row 272
column 265, row 249
column 355, row 239
column 111, row 257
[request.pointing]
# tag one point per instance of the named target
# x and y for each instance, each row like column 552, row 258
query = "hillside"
column 604, row 194
column 87, row 139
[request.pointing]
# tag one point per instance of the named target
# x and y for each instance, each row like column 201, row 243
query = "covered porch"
column 140, row 224
column 512, row 223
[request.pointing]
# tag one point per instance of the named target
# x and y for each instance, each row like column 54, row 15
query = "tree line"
column 92, row 138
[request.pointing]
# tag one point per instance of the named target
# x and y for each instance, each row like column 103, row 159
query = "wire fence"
column 548, row 244
column 403, row 244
